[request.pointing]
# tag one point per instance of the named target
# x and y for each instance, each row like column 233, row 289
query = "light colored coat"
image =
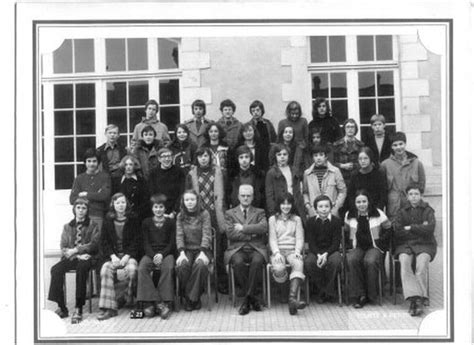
column 332, row 185
column 255, row 227
column 195, row 136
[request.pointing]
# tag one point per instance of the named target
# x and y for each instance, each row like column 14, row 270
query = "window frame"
column 351, row 67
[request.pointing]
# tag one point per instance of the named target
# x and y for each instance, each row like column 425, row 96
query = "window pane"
column 365, row 48
column 64, row 150
column 116, row 94
column 122, row 140
column 62, row 58
column 170, row 116
column 169, row 91
column 80, row 168
column 115, row 54
column 138, row 92
column 384, row 47
column 387, row 108
column 85, row 122
column 366, row 84
column 62, row 96
column 320, row 85
column 85, row 95
column 339, row 110
column 367, row 109
column 63, row 176
column 385, row 83
column 136, row 117
column 319, row 50
column 338, row 85
column 118, row 117
column 63, row 123
column 337, row 48
column 82, row 144
column 84, row 55
column 137, row 54
column 167, row 54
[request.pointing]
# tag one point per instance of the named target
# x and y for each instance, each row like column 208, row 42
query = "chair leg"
column 178, row 298
column 339, row 292
column 380, row 287
column 269, row 298
column 232, row 278
column 209, row 298
column 229, row 282
column 306, row 288
column 394, row 283
column 264, row 285
column 91, row 289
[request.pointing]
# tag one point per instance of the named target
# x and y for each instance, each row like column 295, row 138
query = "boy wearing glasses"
column 167, row 179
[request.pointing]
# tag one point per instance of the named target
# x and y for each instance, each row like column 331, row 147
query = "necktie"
column 198, row 124
column 245, row 213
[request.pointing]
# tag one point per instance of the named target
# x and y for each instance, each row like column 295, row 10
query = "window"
column 89, row 83
column 74, row 130
column 74, row 56
column 359, row 81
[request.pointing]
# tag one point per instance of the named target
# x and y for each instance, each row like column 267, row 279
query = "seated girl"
column 79, row 244
column 286, row 239
column 119, row 241
column 194, row 243
column 369, row 232
column 159, row 240
column 415, row 242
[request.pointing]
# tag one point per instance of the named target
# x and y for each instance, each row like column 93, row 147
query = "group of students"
column 156, row 206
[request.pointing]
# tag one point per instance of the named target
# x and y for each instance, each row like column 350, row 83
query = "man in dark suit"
column 246, row 227
column 378, row 141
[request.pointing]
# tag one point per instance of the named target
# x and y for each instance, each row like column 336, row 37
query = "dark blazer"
column 275, row 186
column 420, row 239
column 253, row 234
column 323, row 237
column 195, row 136
column 103, row 155
column 131, row 241
column 89, row 242
column 379, row 157
column 258, row 183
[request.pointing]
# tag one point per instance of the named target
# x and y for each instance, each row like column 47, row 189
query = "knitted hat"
column 399, row 136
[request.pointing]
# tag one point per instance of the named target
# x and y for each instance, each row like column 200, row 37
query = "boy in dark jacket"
column 323, row 119
column 378, row 141
column 323, row 235
column 159, row 239
column 414, row 239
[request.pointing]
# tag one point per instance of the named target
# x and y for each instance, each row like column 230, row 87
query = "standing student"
column 295, row 159
column 161, row 130
column 315, row 139
column 229, row 123
column 264, row 127
column 197, row 125
column 401, row 169
column 194, row 243
column 322, row 118
column 182, row 149
column 94, row 185
column 147, row 149
column 246, row 227
column 247, row 174
column 346, row 150
column 79, row 245
column 111, row 153
column 119, row 242
column 133, row 186
column 415, row 243
column 250, row 137
column 169, row 180
column 323, row 260
column 159, row 240
column 369, row 233
column 286, row 240
column 215, row 140
column 378, row 140
column 281, row 179
column 322, row 178
column 294, row 119
column 207, row 181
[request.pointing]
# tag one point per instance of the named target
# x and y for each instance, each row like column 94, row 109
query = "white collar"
column 329, row 217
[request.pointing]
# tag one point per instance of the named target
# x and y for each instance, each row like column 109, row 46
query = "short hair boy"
column 198, row 124
column 111, row 152
column 151, row 110
column 229, row 123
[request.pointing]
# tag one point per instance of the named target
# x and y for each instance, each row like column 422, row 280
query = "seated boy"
column 159, row 238
column 323, row 235
column 229, row 123
column 414, row 240
column 323, row 178
column 197, row 126
column 378, row 141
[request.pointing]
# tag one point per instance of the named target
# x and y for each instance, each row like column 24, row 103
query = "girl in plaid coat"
column 119, row 242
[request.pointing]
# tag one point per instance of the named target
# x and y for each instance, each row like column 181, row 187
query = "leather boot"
column 293, row 303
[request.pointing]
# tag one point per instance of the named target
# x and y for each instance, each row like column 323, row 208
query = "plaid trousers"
column 108, row 278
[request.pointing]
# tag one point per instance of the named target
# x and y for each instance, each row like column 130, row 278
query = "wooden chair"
column 90, row 286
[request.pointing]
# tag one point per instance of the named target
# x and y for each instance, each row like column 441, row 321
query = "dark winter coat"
column 330, row 129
